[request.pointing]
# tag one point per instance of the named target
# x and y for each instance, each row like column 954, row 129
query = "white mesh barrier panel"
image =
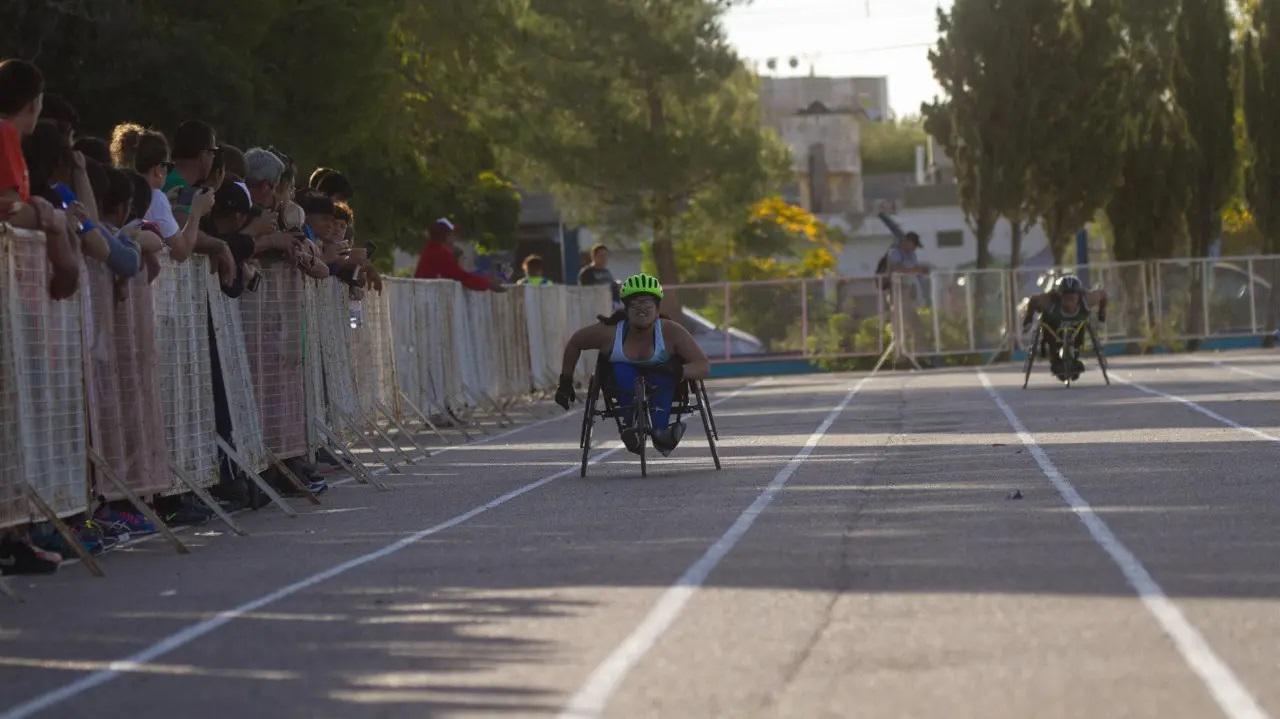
column 181, row 305
column 952, row 312
column 334, row 328
column 372, row 353
column 547, row 314
column 126, row 421
column 273, row 336
column 237, row 379
column 50, row 378
column 13, row 505
column 587, row 305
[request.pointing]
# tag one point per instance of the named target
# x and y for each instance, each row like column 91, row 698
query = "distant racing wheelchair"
column 1062, row 321
column 649, row 375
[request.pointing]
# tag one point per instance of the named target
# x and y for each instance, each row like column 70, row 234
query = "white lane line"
column 1234, row 368
column 591, row 698
column 1231, row 695
column 1198, row 408
column 185, row 636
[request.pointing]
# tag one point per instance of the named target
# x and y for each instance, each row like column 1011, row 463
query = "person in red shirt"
column 21, row 100
column 438, row 262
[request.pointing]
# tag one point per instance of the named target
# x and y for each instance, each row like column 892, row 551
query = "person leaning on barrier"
column 147, row 152
column 21, row 100
column 901, row 259
column 230, row 213
column 638, row 342
column 53, row 167
column 438, row 261
column 1065, row 307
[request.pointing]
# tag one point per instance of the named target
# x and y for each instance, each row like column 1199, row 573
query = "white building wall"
column 873, row 239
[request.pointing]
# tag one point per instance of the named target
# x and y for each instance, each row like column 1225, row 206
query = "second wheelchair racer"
column 1064, row 310
column 637, row 341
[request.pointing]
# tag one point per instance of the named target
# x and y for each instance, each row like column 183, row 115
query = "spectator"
column 533, row 267
column 195, row 148
column 233, row 160
column 60, row 112
column 262, row 173
column 147, row 234
column 150, row 154
column 116, row 209
column 317, row 225
column 438, row 261
column 597, row 273
column 94, row 148
column 124, row 258
column 229, row 215
column 333, row 184
column 901, row 260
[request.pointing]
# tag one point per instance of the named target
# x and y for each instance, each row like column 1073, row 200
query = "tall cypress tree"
column 1261, row 78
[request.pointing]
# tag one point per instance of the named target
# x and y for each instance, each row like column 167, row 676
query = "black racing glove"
column 673, row 367
column 565, row 395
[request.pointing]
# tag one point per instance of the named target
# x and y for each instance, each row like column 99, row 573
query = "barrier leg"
column 105, row 468
column 425, row 422
column 460, row 423
column 208, row 501
column 372, row 421
column 296, row 481
column 888, row 351
column 382, row 409
column 347, row 457
column 254, row 477
column 7, row 590
column 67, row 535
column 373, row 446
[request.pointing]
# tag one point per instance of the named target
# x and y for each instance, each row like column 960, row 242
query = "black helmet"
column 1070, row 283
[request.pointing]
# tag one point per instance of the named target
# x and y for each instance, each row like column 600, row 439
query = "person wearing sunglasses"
column 147, row 151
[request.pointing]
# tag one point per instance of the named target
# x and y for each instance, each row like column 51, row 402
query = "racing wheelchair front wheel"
column 588, row 422
column 1032, row 349
column 641, row 421
column 1097, row 351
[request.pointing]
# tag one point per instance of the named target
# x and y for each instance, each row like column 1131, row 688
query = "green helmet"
column 641, row 284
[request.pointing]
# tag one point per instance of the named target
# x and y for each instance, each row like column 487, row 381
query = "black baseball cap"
column 230, row 198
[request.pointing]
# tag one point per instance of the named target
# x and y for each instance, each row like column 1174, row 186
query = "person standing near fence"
column 901, row 260
column 597, row 273
column 437, row 261
column 533, row 268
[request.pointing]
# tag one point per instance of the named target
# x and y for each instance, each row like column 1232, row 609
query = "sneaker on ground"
column 19, row 557
column 136, row 523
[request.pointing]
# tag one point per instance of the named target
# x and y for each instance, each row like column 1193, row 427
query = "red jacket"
column 437, row 262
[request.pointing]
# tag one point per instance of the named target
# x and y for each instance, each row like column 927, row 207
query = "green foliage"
column 1203, row 91
column 642, row 110
column 891, row 146
column 1261, row 109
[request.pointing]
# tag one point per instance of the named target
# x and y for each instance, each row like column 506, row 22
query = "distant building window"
column 951, row 238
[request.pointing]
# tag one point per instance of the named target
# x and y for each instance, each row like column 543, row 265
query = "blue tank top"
column 660, row 354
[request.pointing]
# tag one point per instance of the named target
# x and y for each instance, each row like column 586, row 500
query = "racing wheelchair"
column 1070, row 341
column 690, row 397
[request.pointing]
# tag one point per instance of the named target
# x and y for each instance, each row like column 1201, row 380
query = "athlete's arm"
column 1098, row 298
column 696, row 365
column 591, row 337
column 1037, row 303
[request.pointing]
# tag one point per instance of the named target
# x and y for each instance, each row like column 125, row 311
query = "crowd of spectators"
column 126, row 200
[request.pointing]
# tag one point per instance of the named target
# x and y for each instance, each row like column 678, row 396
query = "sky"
column 844, row 37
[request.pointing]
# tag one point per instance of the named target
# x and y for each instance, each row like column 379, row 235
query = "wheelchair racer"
column 1064, row 310
column 636, row 341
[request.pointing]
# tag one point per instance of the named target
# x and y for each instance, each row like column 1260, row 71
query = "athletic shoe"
column 187, row 511
column 633, row 439
column 665, row 440
column 318, row 487
column 136, row 523
column 18, row 557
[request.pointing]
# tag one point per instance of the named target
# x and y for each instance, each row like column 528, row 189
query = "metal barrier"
column 45, row 383
column 237, row 378
column 273, row 336
column 181, row 310
column 949, row 312
column 126, row 421
column 1218, row 297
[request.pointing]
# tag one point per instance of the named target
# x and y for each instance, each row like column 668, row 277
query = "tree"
column 987, row 123
column 1078, row 112
column 1261, row 95
column 890, row 146
column 631, row 109
column 1203, row 90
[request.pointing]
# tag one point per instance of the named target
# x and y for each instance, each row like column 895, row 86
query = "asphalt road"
column 859, row 555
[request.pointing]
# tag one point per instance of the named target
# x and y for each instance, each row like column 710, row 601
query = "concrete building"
column 826, row 160
column 934, row 213
column 784, row 96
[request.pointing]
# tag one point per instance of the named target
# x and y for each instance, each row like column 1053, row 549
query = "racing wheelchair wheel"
column 588, row 422
column 1097, row 351
column 708, row 421
column 1031, row 354
column 642, row 421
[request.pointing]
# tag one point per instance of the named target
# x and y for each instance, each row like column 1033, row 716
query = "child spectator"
column 533, row 268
